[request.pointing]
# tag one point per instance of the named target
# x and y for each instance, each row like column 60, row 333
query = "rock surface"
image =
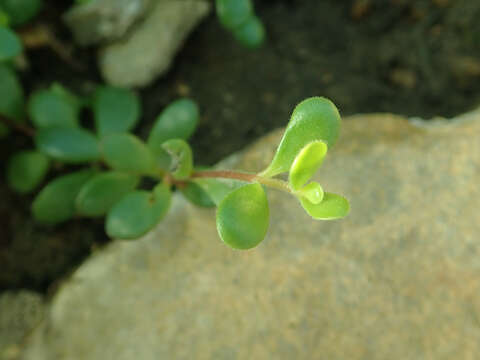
column 20, row 312
column 102, row 20
column 148, row 50
column 398, row 279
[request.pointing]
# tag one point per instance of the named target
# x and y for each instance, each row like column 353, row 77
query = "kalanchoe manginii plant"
column 115, row 162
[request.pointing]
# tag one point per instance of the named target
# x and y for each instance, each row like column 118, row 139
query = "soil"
column 411, row 57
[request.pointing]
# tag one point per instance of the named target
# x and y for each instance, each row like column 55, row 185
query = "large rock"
column 398, row 279
column 101, row 20
column 148, row 50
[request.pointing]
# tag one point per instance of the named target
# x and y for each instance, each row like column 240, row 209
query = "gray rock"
column 148, row 50
column 20, row 312
column 101, row 20
column 398, row 279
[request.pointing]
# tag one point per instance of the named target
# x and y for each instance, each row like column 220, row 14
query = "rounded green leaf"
column 56, row 202
column 313, row 192
column 177, row 121
column 251, row 33
column 181, row 158
column 126, row 152
column 21, row 11
column 48, row 108
column 116, row 110
column 196, row 195
column 10, row 44
column 306, row 164
column 74, row 101
column 137, row 213
column 233, row 13
column 315, row 118
column 11, row 94
column 102, row 191
column 70, row 145
column 218, row 189
column 243, row 216
column 332, row 207
column 26, row 169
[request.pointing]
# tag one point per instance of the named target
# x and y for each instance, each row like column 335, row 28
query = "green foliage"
column 12, row 102
column 239, row 17
column 102, row 191
column 26, row 169
column 138, row 212
column 20, row 12
column 116, row 110
column 48, row 108
column 242, row 217
column 126, row 152
column 56, row 202
column 70, row 145
column 242, row 205
column 10, row 44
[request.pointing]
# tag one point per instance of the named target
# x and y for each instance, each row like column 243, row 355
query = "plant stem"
column 243, row 176
column 26, row 130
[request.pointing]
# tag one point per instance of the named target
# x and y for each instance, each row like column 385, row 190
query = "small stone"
column 101, row 20
column 148, row 51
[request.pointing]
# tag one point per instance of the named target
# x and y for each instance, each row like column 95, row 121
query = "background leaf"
column 251, row 33
column 306, row 163
column 12, row 98
column 126, row 152
column 218, row 189
column 177, row 121
column 332, row 207
column 10, row 44
column 70, row 145
column 56, row 202
column 102, row 191
column 315, row 118
column 137, row 213
column 48, row 108
column 26, row 169
column 116, row 110
column 21, row 11
column 233, row 13
column 243, row 216
column 182, row 157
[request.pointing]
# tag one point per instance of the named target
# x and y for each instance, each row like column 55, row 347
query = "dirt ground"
column 411, row 57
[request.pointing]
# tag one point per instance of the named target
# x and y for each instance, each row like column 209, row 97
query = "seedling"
column 117, row 162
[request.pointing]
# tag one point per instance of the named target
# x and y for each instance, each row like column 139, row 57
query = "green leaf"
column 48, row 108
column 21, row 11
column 243, row 216
column 102, row 191
column 116, row 110
column 233, row 13
column 128, row 153
column 177, row 121
column 182, row 157
column 251, row 33
column 4, row 131
column 137, row 213
column 56, row 202
column 11, row 94
column 196, row 195
column 10, row 44
column 218, row 189
column 306, row 164
column 315, row 118
column 4, row 20
column 70, row 145
column 74, row 101
column 313, row 192
column 332, row 207
column 26, row 169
